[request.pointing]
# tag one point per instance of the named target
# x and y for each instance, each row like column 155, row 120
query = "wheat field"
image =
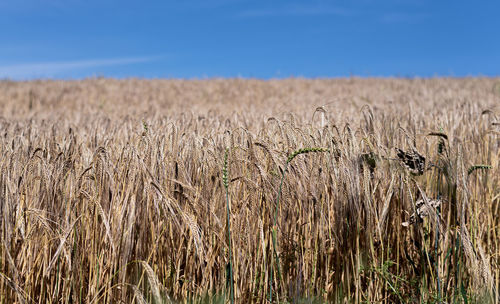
column 117, row 191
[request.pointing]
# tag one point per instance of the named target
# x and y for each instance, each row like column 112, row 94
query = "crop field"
column 285, row 191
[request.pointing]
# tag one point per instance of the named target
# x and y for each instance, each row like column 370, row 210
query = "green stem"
column 230, row 248
column 274, row 235
column 437, row 257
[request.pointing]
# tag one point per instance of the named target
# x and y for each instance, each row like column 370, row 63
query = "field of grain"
column 114, row 191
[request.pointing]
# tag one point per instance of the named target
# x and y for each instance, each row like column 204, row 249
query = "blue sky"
column 263, row 39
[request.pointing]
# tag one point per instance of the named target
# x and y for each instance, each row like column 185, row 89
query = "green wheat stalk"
column 225, row 181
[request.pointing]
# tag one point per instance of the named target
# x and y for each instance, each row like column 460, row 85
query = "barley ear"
column 439, row 134
column 442, row 144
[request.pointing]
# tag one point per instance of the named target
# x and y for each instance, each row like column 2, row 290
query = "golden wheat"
column 112, row 191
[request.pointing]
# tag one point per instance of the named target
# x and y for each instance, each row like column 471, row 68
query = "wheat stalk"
column 225, row 177
column 288, row 161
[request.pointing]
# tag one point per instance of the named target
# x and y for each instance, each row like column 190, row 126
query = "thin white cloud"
column 23, row 5
column 297, row 11
column 212, row 4
column 300, row 10
column 53, row 69
column 404, row 17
